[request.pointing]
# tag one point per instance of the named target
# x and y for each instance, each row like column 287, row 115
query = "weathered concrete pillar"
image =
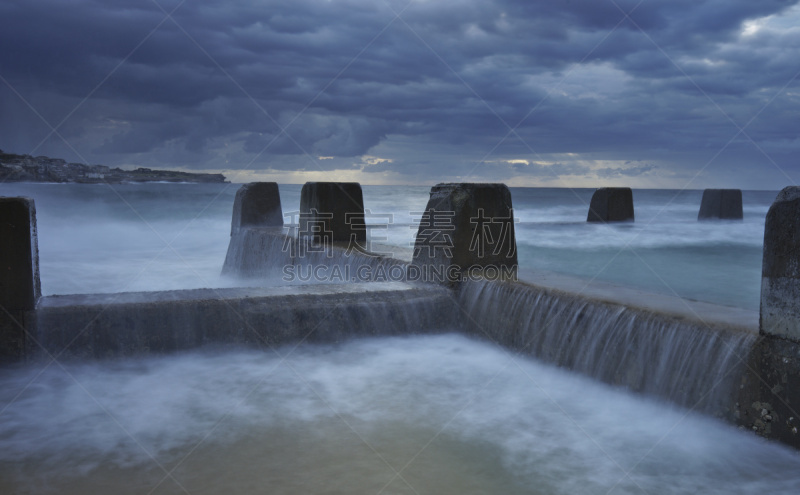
column 466, row 231
column 611, row 204
column 780, row 269
column 257, row 204
column 769, row 395
column 332, row 212
column 769, row 398
column 19, row 274
column 724, row 204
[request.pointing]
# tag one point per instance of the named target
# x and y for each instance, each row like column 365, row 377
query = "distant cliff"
column 26, row 168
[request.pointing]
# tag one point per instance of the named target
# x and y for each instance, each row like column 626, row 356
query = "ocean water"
column 433, row 414
column 665, row 250
column 99, row 238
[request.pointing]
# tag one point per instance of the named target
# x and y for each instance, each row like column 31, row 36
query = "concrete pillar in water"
column 466, row 231
column 769, row 396
column 257, row 204
column 611, row 204
column 724, row 204
column 780, row 269
column 768, row 401
column 19, row 274
column 332, row 212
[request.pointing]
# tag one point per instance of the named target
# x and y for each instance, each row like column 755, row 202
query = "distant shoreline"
column 43, row 169
column 110, row 183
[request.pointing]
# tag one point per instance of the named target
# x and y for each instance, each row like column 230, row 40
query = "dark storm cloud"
column 444, row 87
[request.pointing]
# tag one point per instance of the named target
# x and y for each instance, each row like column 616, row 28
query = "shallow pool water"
column 433, row 414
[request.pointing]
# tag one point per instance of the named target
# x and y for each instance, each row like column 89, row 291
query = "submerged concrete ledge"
column 107, row 325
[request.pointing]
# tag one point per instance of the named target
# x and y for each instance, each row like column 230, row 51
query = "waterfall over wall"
column 684, row 362
column 267, row 252
column 257, row 253
column 679, row 360
column 125, row 324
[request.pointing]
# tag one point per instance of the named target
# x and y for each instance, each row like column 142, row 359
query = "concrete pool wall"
column 719, row 363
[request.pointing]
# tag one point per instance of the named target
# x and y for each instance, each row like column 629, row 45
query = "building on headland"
column 26, row 168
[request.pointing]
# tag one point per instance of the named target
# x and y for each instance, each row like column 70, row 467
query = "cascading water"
column 106, row 325
column 683, row 362
column 256, row 252
column 270, row 255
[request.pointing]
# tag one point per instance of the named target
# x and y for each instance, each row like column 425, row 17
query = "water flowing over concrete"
column 670, row 358
column 105, row 325
column 257, row 253
column 269, row 254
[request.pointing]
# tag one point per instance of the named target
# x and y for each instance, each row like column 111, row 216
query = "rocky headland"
column 27, row 168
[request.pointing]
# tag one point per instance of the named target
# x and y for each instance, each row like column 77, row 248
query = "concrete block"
column 466, row 231
column 257, row 204
column 769, row 395
column 19, row 273
column 611, row 204
column 780, row 269
column 332, row 212
column 723, row 204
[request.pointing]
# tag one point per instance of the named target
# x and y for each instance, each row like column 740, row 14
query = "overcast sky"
column 650, row 93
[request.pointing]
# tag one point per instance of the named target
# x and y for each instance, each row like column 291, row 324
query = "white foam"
column 512, row 420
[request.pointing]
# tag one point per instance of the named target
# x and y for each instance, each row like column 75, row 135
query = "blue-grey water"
column 429, row 414
column 434, row 414
column 99, row 238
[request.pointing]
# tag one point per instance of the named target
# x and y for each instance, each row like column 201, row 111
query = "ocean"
column 439, row 413
column 98, row 238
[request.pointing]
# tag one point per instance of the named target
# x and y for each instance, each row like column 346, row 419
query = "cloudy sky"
column 644, row 93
